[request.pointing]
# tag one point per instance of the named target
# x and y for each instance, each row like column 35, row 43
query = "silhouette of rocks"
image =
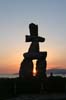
column 41, row 67
column 34, row 52
column 27, row 64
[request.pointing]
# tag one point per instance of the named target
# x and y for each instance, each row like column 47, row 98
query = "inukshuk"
column 26, row 67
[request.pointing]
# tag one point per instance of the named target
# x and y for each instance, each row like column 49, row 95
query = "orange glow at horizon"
column 10, row 63
column 34, row 72
column 34, row 68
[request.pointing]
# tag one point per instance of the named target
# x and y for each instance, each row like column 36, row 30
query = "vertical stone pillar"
column 41, row 68
column 26, row 68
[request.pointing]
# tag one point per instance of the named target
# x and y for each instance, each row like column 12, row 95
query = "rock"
column 26, row 67
column 35, row 55
column 34, row 39
column 41, row 67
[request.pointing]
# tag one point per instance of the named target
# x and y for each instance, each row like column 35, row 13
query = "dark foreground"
column 33, row 88
column 40, row 97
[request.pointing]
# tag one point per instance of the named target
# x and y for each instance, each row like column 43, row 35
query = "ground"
column 40, row 97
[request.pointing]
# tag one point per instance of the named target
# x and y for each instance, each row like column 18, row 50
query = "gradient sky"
column 15, row 17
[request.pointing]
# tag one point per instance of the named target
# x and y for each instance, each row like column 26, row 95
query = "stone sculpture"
column 26, row 67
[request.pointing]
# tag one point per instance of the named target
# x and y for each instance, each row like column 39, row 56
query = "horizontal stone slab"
column 34, row 38
column 36, row 55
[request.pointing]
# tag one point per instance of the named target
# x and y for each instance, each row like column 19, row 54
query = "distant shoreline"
column 17, row 75
column 54, row 71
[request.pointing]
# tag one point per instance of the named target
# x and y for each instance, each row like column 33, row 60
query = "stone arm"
column 34, row 39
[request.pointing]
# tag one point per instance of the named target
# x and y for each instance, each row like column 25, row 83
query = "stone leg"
column 41, row 68
column 26, row 68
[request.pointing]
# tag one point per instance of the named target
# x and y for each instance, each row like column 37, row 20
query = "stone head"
column 33, row 29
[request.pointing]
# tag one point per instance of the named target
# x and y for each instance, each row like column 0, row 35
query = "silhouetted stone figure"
column 26, row 67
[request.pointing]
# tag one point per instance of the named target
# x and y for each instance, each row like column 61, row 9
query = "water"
column 9, row 75
column 16, row 75
column 62, row 75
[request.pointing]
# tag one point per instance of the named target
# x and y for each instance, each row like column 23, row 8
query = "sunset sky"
column 15, row 17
